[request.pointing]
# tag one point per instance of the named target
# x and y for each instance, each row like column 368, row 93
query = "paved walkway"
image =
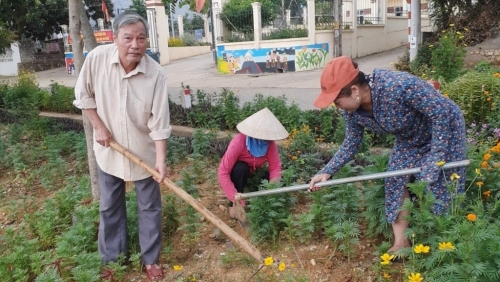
column 199, row 72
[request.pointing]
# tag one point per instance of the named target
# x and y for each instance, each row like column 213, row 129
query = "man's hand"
column 162, row 170
column 317, row 178
column 102, row 136
column 101, row 132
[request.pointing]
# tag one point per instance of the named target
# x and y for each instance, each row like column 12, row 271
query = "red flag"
column 199, row 5
column 105, row 10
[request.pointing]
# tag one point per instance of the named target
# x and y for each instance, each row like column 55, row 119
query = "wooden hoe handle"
column 240, row 241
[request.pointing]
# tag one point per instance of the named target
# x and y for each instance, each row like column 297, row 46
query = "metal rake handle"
column 339, row 181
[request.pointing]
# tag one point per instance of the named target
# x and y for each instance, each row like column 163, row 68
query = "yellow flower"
column 466, row 29
column 319, row 139
column 294, row 158
column 430, row 46
column 446, row 95
column 478, row 172
column 465, row 45
column 486, row 92
column 386, row 259
column 421, row 249
column 268, row 261
column 177, row 267
column 452, row 25
column 488, row 99
column 282, row 266
column 386, row 275
column 298, row 151
column 385, row 262
column 487, row 193
column 440, row 164
column 454, row 177
column 458, row 32
column 445, row 246
column 486, row 157
column 471, row 217
column 332, row 105
column 415, row 277
column 479, row 184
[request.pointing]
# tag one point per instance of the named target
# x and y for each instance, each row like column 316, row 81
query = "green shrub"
column 476, row 93
column 286, row 33
column 61, row 99
column 448, row 55
column 4, row 88
column 189, row 39
column 422, row 64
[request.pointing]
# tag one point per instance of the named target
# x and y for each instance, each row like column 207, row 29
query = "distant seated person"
column 249, row 150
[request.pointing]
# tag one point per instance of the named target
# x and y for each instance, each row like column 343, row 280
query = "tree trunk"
column 78, row 21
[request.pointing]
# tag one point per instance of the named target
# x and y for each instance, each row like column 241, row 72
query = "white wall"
column 176, row 53
column 8, row 61
column 371, row 39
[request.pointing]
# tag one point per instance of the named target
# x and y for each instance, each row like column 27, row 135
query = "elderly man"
column 124, row 95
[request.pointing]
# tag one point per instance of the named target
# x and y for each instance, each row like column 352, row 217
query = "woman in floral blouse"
column 428, row 128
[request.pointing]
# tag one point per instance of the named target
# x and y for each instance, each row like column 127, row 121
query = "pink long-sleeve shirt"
column 237, row 151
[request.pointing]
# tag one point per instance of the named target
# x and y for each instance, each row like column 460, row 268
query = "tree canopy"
column 94, row 9
column 33, row 18
column 38, row 19
column 139, row 6
column 477, row 16
column 6, row 38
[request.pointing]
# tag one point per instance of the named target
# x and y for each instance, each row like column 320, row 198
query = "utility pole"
column 415, row 27
column 212, row 15
column 337, row 28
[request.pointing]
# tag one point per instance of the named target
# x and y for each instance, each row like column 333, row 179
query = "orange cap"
column 337, row 74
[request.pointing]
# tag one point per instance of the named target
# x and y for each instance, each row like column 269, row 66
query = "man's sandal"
column 107, row 274
column 154, row 273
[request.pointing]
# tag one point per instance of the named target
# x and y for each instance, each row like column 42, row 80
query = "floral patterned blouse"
column 427, row 126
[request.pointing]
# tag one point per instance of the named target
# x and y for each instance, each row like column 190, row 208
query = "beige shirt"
column 133, row 106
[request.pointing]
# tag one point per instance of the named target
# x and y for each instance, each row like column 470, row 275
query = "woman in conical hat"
column 249, row 150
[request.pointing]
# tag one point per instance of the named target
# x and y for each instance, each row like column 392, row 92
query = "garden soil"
column 214, row 257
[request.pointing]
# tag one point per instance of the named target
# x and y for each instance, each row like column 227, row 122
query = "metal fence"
column 287, row 27
column 234, row 27
column 324, row 17
column 367, row 11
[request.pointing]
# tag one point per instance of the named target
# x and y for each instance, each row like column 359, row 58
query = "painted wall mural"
column 272, row 60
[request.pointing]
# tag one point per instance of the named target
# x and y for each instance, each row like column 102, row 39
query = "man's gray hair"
column 128, row 18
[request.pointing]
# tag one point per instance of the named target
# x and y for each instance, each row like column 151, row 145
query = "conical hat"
column 263, row 125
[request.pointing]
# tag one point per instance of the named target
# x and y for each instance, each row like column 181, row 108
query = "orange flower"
column 479, row 184
column 471, row 217
column 496, row 149
column 487, row 193
column 486, row 157
column 484, row 165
